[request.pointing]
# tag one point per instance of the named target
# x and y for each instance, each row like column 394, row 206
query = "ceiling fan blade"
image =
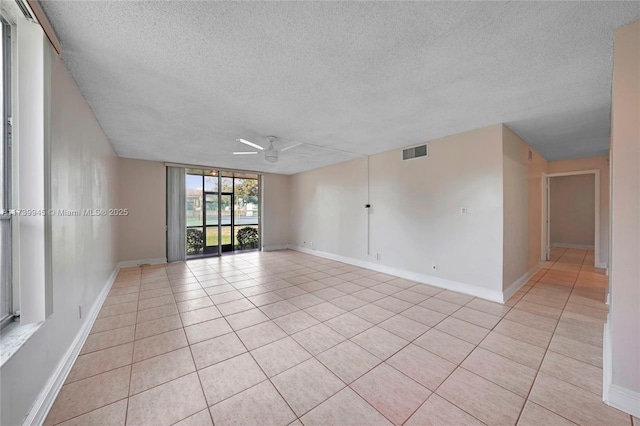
column 246, row 142
column 291, row 147
column 244, row 153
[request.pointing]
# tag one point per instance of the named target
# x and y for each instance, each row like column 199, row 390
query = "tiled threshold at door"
column 283, row 338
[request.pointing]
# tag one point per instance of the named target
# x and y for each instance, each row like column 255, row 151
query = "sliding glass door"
column 222, row 212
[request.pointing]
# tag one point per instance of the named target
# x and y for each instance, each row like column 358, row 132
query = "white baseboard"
column 275, row 247
column 624, row 399
column 48, row 395
column 131, row 263
column 574, row 246
column 602, row 265
column 517, row 285
column 484, row 293
column 606, row 359
column 614, row 395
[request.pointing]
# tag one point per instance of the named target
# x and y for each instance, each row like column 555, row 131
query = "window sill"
column 13, row 337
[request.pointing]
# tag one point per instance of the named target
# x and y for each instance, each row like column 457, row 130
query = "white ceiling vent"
column 25, row 10
column 415, row 152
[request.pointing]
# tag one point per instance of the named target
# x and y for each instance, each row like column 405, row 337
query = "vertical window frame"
column 7, row 313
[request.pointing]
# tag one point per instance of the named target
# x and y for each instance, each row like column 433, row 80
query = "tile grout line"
column 477, row 346
column 195, row 370
column 94, row 375
column 459, row 365
column 256, row 362
column 315, row 356
column 133, row 351
column 546, row 351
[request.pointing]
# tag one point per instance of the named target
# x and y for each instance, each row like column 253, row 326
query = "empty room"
column 319, row 213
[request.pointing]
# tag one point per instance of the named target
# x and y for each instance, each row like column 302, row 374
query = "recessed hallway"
column 289, row 338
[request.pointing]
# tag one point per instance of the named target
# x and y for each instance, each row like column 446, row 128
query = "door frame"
column 230, row 248
column 546, row 212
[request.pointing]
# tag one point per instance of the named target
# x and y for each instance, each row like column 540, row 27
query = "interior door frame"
column 546, row 212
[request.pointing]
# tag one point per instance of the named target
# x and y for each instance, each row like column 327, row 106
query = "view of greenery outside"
column 194, row 241
column 212, row 236
column 247, row 188
column 239, row 200
column 247, row 238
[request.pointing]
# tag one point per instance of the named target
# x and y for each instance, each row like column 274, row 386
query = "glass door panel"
column 226, row 214
column 226, row 184
column 246, row 202
column 212, row 209
column 211, row 240
column 194, row 215
column 246, row 213
column 211, row 182
column 225, row 209
column 225, row 236
column 212, row 236
column 194, row 200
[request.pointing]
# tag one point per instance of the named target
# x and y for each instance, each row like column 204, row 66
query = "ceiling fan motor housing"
column 271, row 155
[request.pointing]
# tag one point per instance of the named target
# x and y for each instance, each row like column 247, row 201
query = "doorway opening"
column 222, row 212
column 571, row 212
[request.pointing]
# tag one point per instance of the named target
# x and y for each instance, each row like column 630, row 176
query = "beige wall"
column 276, row 211
column 537, row 167
column 84, row 175
column 328, row 209
column 522, row 226
column 415, row 218
column 142, row 190
column 571, row 205
column 624, row 318
column 593, row 163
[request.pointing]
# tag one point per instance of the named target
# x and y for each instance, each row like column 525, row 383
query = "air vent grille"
column 415, row 152
column 25, row 10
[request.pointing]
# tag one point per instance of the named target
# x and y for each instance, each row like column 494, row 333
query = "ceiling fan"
column 270, row 153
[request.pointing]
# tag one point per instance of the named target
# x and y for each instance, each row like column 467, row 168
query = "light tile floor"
column 287, row 338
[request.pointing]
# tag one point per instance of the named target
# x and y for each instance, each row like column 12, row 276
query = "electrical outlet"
column 376, row 256
column 463, row 210
column 434, row 267
column 311, row 243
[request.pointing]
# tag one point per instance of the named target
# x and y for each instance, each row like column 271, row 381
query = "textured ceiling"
column 180, row 81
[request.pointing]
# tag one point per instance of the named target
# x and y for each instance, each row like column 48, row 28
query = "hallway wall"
column 522, row 226
column 623, row 325
column 572, row 218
